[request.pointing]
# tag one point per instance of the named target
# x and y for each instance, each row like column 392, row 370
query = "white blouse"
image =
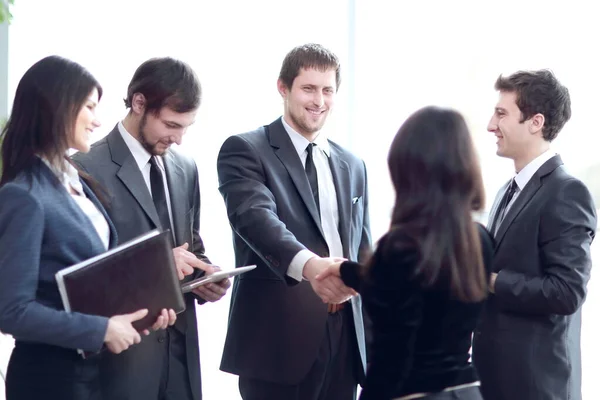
column 70, row 180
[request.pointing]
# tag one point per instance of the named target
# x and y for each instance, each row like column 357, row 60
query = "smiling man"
column 152, row 186
column 296, row 201
column 528, row 343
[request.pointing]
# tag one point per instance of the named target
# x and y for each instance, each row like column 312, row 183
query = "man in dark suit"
column 528, row 343
column 294, row 199
column 152, row 186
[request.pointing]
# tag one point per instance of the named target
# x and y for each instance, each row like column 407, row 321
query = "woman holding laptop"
column 50, row 219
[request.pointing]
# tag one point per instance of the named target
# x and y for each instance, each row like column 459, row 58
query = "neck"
column 132, row 125
column 309, row 136
column 531, row 155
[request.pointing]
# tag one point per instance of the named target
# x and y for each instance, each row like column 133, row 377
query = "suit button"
column 161, row 339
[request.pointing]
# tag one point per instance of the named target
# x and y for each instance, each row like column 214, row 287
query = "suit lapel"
column 495, row 206
column 130, row 174
column 177, row 195
column 525, row 196
column 113, row 240
column 341, row 180
column 285, row 151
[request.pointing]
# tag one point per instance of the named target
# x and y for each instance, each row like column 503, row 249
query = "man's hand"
column 329, row 287
column 213, row 291
column 186, row 262
column 493, row 282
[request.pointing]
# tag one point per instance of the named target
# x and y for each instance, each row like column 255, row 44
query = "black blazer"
column 421, row 336
column 277, row 324
column 528, row 343
column 133, row 212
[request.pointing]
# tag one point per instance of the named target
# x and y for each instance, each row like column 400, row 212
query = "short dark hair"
column 539, row 92
column 47, row 101
column 308, row 56
column 165, row 82
column 438, row 183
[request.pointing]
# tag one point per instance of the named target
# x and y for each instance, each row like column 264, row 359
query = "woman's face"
column 85, row 123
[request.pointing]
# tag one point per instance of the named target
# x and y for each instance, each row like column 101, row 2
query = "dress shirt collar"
column 301, row 143
column 524, row 176
column 140, row 154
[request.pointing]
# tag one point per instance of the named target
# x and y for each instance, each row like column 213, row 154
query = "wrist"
column 310, row 271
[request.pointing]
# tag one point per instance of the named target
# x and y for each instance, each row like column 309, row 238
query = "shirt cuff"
column 297, row 265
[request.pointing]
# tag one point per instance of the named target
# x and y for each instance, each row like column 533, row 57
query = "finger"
column 165, row 315
column 137, row 338
column 323, row 275
column 172, row 317
column 182, row 247
column 158, row 324
column 206, row 294
column 136, row 316
column 146, row 332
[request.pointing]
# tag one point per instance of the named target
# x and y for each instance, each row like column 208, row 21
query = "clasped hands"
column 325, row 279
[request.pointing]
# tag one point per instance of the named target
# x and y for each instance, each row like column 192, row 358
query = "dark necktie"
column 311, row 173
column 508, row 195
column 157, row 186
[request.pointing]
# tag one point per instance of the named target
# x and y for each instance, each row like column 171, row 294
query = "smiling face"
column 518, row 140
column 85, row 123
column 158, row 132
column 308, row 102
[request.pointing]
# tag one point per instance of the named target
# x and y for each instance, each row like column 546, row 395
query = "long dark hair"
column 47, row 102
column 438, row 184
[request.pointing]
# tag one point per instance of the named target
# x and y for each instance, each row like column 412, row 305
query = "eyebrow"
column 500, row 109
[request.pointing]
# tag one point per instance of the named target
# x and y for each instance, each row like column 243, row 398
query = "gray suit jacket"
column 43, row 230
column 277, row 324
column 132, row 211
column 527, row 345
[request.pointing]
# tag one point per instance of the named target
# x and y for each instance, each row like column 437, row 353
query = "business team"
column 298, row 207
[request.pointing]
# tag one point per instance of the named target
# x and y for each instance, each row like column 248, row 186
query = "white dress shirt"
column 142, row 159
column 328, row 205
column 525, row 175
column 70, row 180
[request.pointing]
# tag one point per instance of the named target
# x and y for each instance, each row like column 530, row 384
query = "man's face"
column 514, row 138
column 158, row 132
column 309, row 101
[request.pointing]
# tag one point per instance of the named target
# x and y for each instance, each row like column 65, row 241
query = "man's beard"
column 143, row 139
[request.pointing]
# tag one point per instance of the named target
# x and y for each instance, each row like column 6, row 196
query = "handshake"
column 324, row 277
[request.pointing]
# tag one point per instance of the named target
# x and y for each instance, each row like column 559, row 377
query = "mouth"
column 315, row 112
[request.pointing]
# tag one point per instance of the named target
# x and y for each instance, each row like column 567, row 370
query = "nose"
column 96, row 123
column 177, row 136
column 318, row 99
column 492, row 125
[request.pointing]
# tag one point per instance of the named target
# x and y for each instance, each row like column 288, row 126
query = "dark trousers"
column 332, row 376
column 155, row 369
column 470, row 393
column 37, row 371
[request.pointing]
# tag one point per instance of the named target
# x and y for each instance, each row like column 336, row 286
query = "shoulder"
column 184, row 160
column 347, row 155
column 98, row 155
column 396, row 254
column 26, row 191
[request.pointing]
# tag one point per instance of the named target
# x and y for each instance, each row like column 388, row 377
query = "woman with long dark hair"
column 425, row 285
column 50, row 219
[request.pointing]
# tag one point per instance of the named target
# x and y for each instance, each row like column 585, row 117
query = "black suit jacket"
column 132, row 211
column 528, row 343
column 277, row 324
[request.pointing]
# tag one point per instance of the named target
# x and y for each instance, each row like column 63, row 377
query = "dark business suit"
column 43, row 230
column 143, row 371
column 277, row 324
column 528, row 343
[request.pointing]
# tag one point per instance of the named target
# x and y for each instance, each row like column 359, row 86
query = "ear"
column 282, row 88
column 536, row 123
column 138, row 103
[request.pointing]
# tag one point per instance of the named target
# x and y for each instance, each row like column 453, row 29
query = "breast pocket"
column 356, row 224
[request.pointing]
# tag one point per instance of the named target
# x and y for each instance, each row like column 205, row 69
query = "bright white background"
column 396, row 58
